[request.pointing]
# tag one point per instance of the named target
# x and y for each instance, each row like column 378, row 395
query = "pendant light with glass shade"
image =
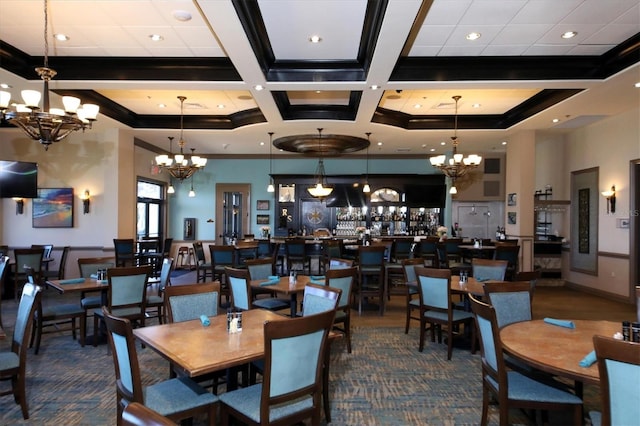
column 271, row 187
column 366, row 188
column 458, row 165
column 192, row 193
column 320, row 189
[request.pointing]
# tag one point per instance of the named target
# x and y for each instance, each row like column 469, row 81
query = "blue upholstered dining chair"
column 188, row 302
column 619, row 368
column 241, row 294
column 136, row 414
column 510, row 388
column 413, row 299
column 343, row 279
column 4, row 269
column 53, row 313
column 156, row 301
column 126, row 295
column 176, row 398
column 436, row 309
column 88, row 267
column 31, row 258
column 488, row 269
column 13, row 363
column 291, row 386
column 371, row 275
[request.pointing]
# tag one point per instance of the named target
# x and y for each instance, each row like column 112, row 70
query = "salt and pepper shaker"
column 626, row 331
column 635, row 332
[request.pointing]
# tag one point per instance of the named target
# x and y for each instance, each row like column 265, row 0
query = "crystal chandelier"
column 458, row 165
column 320, row 189
column 47, row 125
column 177, row 165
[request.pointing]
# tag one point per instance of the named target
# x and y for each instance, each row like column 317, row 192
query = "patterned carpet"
column 385, row 381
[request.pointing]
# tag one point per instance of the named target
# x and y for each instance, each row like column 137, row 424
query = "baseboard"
column 600, row 293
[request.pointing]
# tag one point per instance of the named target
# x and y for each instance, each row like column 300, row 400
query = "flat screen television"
column 18, row 179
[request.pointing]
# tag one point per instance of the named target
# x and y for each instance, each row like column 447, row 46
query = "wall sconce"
column 86, row 202
column 19, row 205
column 611, row 199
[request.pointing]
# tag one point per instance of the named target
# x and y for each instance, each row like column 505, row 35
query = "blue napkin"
column 270, row 282
column 588, row 360
column 205, row 320
column 93, row 276
column 72, row 281
column 317, row 277
column 561, row 323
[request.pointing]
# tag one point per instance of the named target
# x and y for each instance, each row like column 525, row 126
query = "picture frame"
column 512, row 218
column 262, row 205
column 512, row 199
column 53, row 208
column 262, row 219
column 189, row 229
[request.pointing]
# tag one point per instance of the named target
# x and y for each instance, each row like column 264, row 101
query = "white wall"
column 609, row 144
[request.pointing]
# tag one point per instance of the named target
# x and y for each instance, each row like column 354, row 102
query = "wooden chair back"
column 309, row 336
column 488, row 269
column 319, row 298
column 188, row 302
column 512, row 301
column 90, row 265
column 238, row 280
column 136, row 414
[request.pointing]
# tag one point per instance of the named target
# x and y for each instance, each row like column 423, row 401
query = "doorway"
column 232, row 211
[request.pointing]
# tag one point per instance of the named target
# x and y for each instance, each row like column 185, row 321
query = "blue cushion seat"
column 91, row 302
column 522, row 388
column 270, row 303
column 247, row 401
column 176, row 395
column 9, row 360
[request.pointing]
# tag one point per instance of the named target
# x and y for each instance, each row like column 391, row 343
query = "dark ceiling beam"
column 539, row 102
column 317, row 112
column 275, row 69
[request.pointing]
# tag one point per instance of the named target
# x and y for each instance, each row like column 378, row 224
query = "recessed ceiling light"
column 379, row 143
column 315, row 39
column 432, row 150
column 162, row 105
column 261, row 143
column 569, row 34
column 156, row 37
column 443, row 143
column 61, row 37
column 504, row 142
column 555, row 120
column 181, row 15
column 318, row 91
column 417, row 106
column 424, row 145
column 374, row 87
column 476, row 105
column 473, row 36
column 5, row 86
column 258, row 87
column 637, row 84
column 220, row 106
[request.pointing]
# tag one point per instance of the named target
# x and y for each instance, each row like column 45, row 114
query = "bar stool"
column 185, row 257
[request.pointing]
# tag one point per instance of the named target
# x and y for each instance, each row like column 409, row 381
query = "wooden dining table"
column 286, row 288
column 554, row 349
column 188, row 345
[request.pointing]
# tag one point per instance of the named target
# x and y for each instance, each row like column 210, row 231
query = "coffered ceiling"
column 389, row 67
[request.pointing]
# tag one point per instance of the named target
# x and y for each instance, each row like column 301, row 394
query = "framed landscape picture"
column 262, row 219
column 262, row 205
column 53, row 208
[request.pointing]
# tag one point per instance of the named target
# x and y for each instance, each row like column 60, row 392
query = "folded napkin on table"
column 72, row 281
column 93, row 276
column 318, row 277
column 561, row 323
column 205, row 320
column 589, row 359
column 270, row 282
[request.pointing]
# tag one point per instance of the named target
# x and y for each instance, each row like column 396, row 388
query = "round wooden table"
column 557, row 350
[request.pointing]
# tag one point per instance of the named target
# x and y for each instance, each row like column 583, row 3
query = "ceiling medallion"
column 328, row 146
